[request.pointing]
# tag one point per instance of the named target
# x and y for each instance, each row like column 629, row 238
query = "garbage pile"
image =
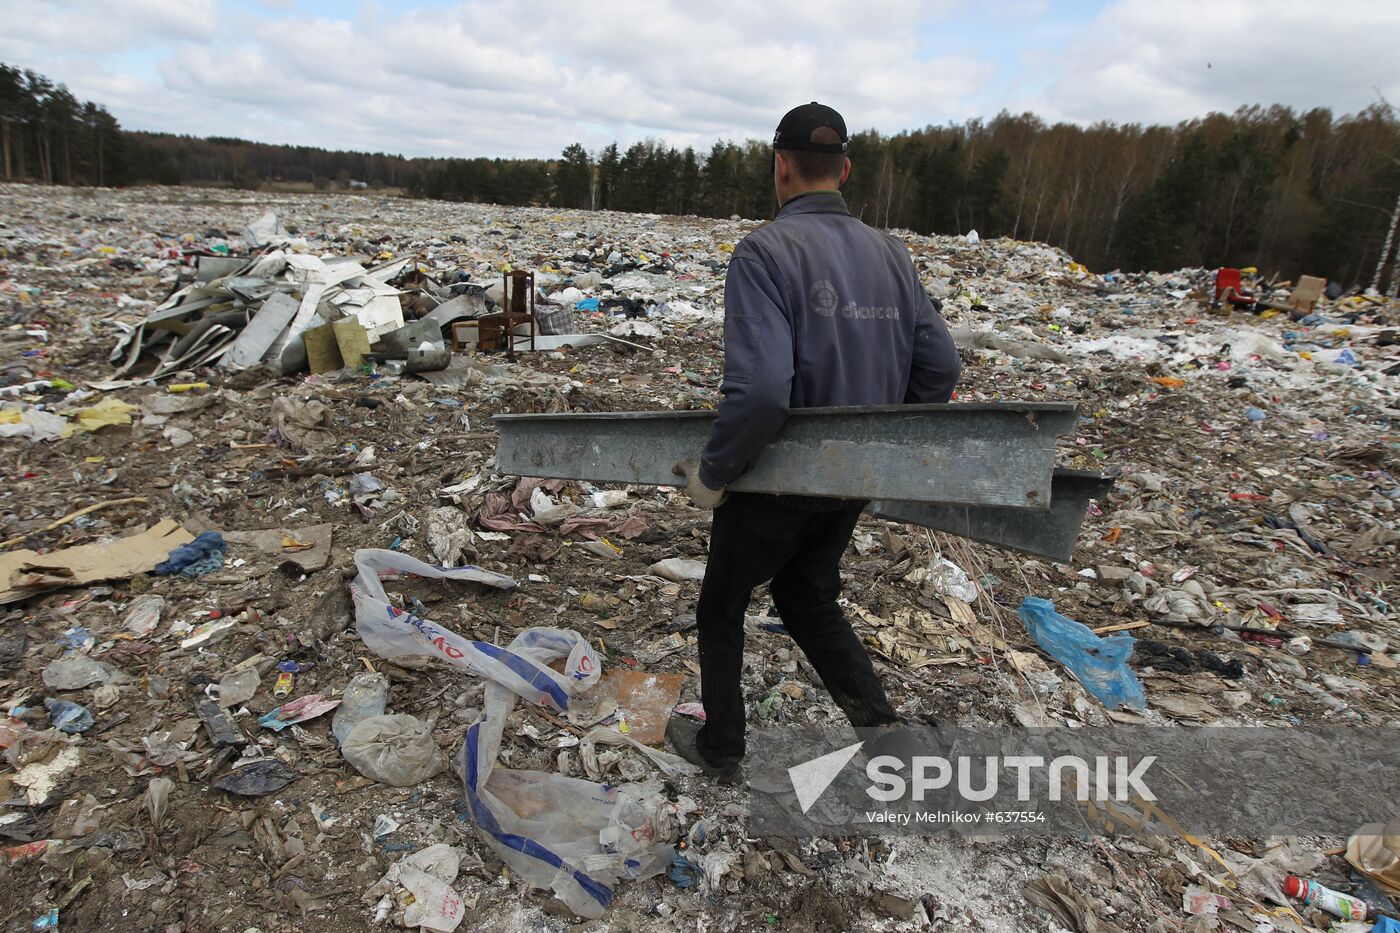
column 276, row 626
column 280, row 303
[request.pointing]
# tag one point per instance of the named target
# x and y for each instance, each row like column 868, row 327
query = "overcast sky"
column 517, row 78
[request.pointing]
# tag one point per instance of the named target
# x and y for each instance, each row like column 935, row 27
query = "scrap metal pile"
column 217, row 457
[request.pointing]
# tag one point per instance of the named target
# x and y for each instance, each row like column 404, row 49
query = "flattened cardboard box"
column 25, row 572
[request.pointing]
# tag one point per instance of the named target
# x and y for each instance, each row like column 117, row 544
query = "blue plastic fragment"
column 1100, row 664
column 587, row 304
column 76, row 637
column 1255, row 414
column 71, row 718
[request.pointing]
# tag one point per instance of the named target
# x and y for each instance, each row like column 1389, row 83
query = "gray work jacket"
column 820, row 310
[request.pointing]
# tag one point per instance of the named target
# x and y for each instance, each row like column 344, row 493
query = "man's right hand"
column 702, row 495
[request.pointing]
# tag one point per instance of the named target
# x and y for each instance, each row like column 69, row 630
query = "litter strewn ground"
column 1257, row 492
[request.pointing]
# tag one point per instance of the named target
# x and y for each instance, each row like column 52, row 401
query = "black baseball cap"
column 795, row 129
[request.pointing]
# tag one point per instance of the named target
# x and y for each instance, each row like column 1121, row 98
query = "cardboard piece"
column 322, row 350
column 645, row 699
column 1307, row 292
column 24, row 573
column 284, row 544
column 353, row 341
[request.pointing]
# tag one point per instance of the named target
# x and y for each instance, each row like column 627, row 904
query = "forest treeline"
column 1288, row 192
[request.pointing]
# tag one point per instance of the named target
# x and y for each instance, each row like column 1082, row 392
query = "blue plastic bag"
column 1385, row 925
column 587, row 304
column 1100, row 664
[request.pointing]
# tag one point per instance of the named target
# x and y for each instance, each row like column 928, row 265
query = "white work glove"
column 702, row 495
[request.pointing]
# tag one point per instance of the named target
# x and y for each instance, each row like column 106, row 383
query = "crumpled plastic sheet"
column 948, row 579
column 1099, row 663
column 33, row 423
column 37, row 424
column 302, row 424
column 109, row 411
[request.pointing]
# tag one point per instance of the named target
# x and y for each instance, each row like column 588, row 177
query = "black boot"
column 682, row 735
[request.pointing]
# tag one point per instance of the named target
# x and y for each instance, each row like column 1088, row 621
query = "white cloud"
column 509, row 77
column 1146, row 61
column 100, row 26
column 514, row 77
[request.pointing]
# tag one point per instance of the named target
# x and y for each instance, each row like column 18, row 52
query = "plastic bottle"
column 1363, row 642
column 365, row 696
column 1333, row 902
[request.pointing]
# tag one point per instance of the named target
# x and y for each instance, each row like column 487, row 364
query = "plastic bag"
column 574, row 836
column 394, row 749
column 33, row 423
column 365, row 696
column 393, row 633
column 1100, row 664
column 303, row 424
column 948, row 579
column 673, row 765
column 678, row 569
column 440, row 860
column 436, row 906
column 1374, row 850
column 109, row 411
column 143, row 614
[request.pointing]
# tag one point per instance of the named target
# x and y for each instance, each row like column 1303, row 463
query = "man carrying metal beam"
column 819, row 310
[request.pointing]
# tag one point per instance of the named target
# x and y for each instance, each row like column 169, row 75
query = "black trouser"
column 755, row 539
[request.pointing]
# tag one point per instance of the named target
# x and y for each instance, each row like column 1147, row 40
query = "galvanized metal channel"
column 1000, row 454
column 1049, row 534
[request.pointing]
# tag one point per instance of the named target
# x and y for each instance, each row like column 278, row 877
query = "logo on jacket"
column 823, row 298
column 825, row 301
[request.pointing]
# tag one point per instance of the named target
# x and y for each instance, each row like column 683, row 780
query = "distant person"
column 819, row 310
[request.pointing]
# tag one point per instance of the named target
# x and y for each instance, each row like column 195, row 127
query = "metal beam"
column 970, row 454
column 1049, row 534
